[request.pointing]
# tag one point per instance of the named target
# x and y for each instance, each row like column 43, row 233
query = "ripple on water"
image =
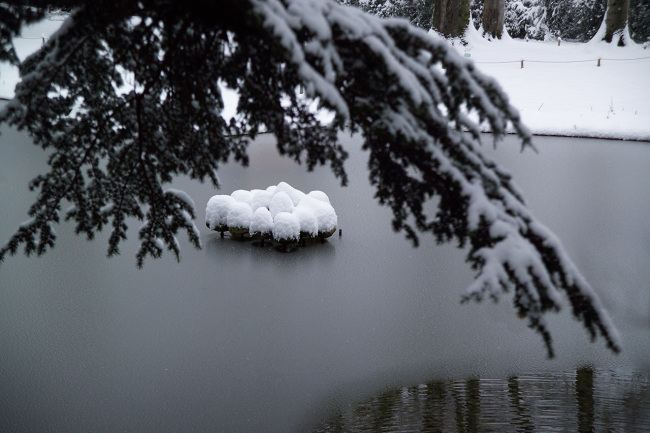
column 585, row 400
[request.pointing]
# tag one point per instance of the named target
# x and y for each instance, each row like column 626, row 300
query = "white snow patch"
column 307, row 220
column 260, row 198
column 261, row 222
column 561, row 90
column 242, row 196
column 216, row 211
column 240, row 215
column 293, row 193
column 286, row 227
column 182, row 196
column 319, row 195
column 281, row 202
column 159, row 244
column 324, row 212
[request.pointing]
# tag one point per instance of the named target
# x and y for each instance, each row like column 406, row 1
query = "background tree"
column 573, row 20
column 493, row 16
column 451, row 17
column 525, row 19
column 577, row 20
column 125, row 96
column 639, row 20
column 615, row 23
column 589, row 14
column 522, row 18
column 418, row 12
column 476, row 13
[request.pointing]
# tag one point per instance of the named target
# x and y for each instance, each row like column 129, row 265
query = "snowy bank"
column 280, row 212
column 560, row 90
column 590, row 89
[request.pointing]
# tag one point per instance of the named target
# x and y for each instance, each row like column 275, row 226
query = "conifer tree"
column 126, row 95
column 639, row 20
column 451, row 17
column 417, row 12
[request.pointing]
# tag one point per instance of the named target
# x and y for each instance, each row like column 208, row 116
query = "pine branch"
column 418, row 105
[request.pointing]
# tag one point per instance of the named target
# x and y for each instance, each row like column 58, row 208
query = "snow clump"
column 239, row 218
column 281, row 211
column 216, row 213
column 281, row 202
column 261, row 223
column 286, row 227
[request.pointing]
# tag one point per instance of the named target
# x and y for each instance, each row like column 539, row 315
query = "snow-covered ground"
column 29, row 41
column 559, row 91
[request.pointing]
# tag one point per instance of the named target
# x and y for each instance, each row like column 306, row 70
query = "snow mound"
column 281, row 202
column 286, row 227
column 282, row 211
column 293, row 193
column 216, row 212
column 239, row 217
column 261, row 222
column 260, row 198
column 307, row 219
column 324, row 212
column 242, row 195
column 319, row 195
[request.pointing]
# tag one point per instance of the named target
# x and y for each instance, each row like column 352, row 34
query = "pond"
column 362, row 333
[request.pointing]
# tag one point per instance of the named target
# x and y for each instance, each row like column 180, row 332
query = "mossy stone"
column 324, row 235
column 238, row 232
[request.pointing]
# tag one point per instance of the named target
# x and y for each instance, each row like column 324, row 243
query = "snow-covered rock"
column 239, row 218
column 281, row 202
column 216, row 212
column 294, row 194
column 261, row 222
column 307, row 219
column 286, row 228
column 242, row 195
column 319, row 195
column 260, row 198
column 325, row 215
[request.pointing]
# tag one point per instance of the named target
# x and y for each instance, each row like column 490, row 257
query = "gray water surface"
column 238, row 338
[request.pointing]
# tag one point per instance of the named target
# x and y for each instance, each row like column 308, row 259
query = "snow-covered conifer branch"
column 418, row 105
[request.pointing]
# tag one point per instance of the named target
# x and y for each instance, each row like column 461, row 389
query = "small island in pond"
column 279, row 213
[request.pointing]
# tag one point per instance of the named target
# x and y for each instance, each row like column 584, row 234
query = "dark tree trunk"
column 616, row 20
column 493, row 16
column 451, row 17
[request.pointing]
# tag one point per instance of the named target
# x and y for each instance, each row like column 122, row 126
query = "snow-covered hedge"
column 280, row 211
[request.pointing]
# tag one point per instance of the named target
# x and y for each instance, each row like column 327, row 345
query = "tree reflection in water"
column 586, row 400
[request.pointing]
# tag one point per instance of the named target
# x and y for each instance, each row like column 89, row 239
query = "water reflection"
column 245, row 248
column 586, row 400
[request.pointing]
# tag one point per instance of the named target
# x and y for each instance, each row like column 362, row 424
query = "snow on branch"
column 417, row 103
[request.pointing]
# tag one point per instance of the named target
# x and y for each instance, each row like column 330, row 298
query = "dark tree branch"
column 418, row 105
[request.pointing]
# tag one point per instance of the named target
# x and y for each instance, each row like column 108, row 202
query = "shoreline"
column 559, row 135
column 581, row 136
